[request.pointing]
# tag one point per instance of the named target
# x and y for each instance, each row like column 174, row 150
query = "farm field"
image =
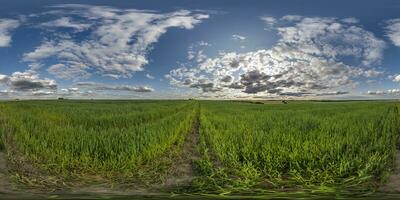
column 200, row 147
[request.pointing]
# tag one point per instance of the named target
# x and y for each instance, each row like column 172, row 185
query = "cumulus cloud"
column 307, row 59
column 43, row 93
column 390, row 92
column 3, row 78
column 269, row 20
column 396, row 78
column 372, row 73
column 70, row 90
column 27, row 81
column 105, row 87
column 196, row 51
column 149, row 76
column 203, row 43
column 333, row 93
column 292, row 18
column 118, row 43
column 6, row 26
column 329, row 37
column 393, row 31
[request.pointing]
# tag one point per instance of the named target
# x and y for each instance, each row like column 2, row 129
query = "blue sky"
column 203, row 49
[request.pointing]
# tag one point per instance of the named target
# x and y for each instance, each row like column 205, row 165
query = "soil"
column 8, row 189
column 184, row 167
column 393, row 183
column 5, row 182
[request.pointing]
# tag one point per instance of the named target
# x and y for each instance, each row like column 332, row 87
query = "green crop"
column 242, row 145
column 301, row 144
column 95, row 137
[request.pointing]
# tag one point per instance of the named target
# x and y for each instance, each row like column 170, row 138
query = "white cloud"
column 372, row 73
column 73, row 72
column 396, row 78
column 203, row 43
column 42, row 93
column 3, row 78
column 70, row 90
column 149, row 76
column 118, row 44
column 66, row 22
column 292, row 18
column 390, row 92
column 393, row 31
column 27, row 81
column 6, row 26
column 307, row 59
column 269, row 20
column 196, row 51
column 238, row 37
column 106, row 87
column 329, row 37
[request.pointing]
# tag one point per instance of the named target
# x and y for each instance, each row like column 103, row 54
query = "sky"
column 211, row 49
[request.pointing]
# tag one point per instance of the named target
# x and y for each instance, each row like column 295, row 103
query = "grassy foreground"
column 243, row 146
column 301, row 145
column 106, row 138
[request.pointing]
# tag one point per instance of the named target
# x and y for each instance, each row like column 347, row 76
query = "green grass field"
column 242, row 146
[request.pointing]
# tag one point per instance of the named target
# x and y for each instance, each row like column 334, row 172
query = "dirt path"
column 5, row 183
column 393, row 183
column 184, row 167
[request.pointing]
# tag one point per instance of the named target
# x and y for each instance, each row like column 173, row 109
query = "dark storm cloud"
column 205, row 87
column 30, row 85
column 227, row 79
column 27, row 81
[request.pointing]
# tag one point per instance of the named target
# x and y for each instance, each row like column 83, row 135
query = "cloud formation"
column 308, row 58
column 270, row 21
column 27, row 81
column 6, row 26
column 149, row 76
column 106, row 87
column 66, row 22
column 393, row 31
column 390, row 92
column 117, row 45
column 238, row 37
column 396, row 78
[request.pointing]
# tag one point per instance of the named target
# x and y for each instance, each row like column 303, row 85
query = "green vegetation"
column 299, row 145
column 243, row 146
column 87, row 137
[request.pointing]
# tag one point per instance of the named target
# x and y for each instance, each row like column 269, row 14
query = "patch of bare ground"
column 183, row 172
column 393, row 183
column 5, row 183
column 8, row 189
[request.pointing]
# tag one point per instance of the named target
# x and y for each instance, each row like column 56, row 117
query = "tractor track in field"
column 5, row 183
column 393, row 183
column 8, row 189
column 184, row 170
